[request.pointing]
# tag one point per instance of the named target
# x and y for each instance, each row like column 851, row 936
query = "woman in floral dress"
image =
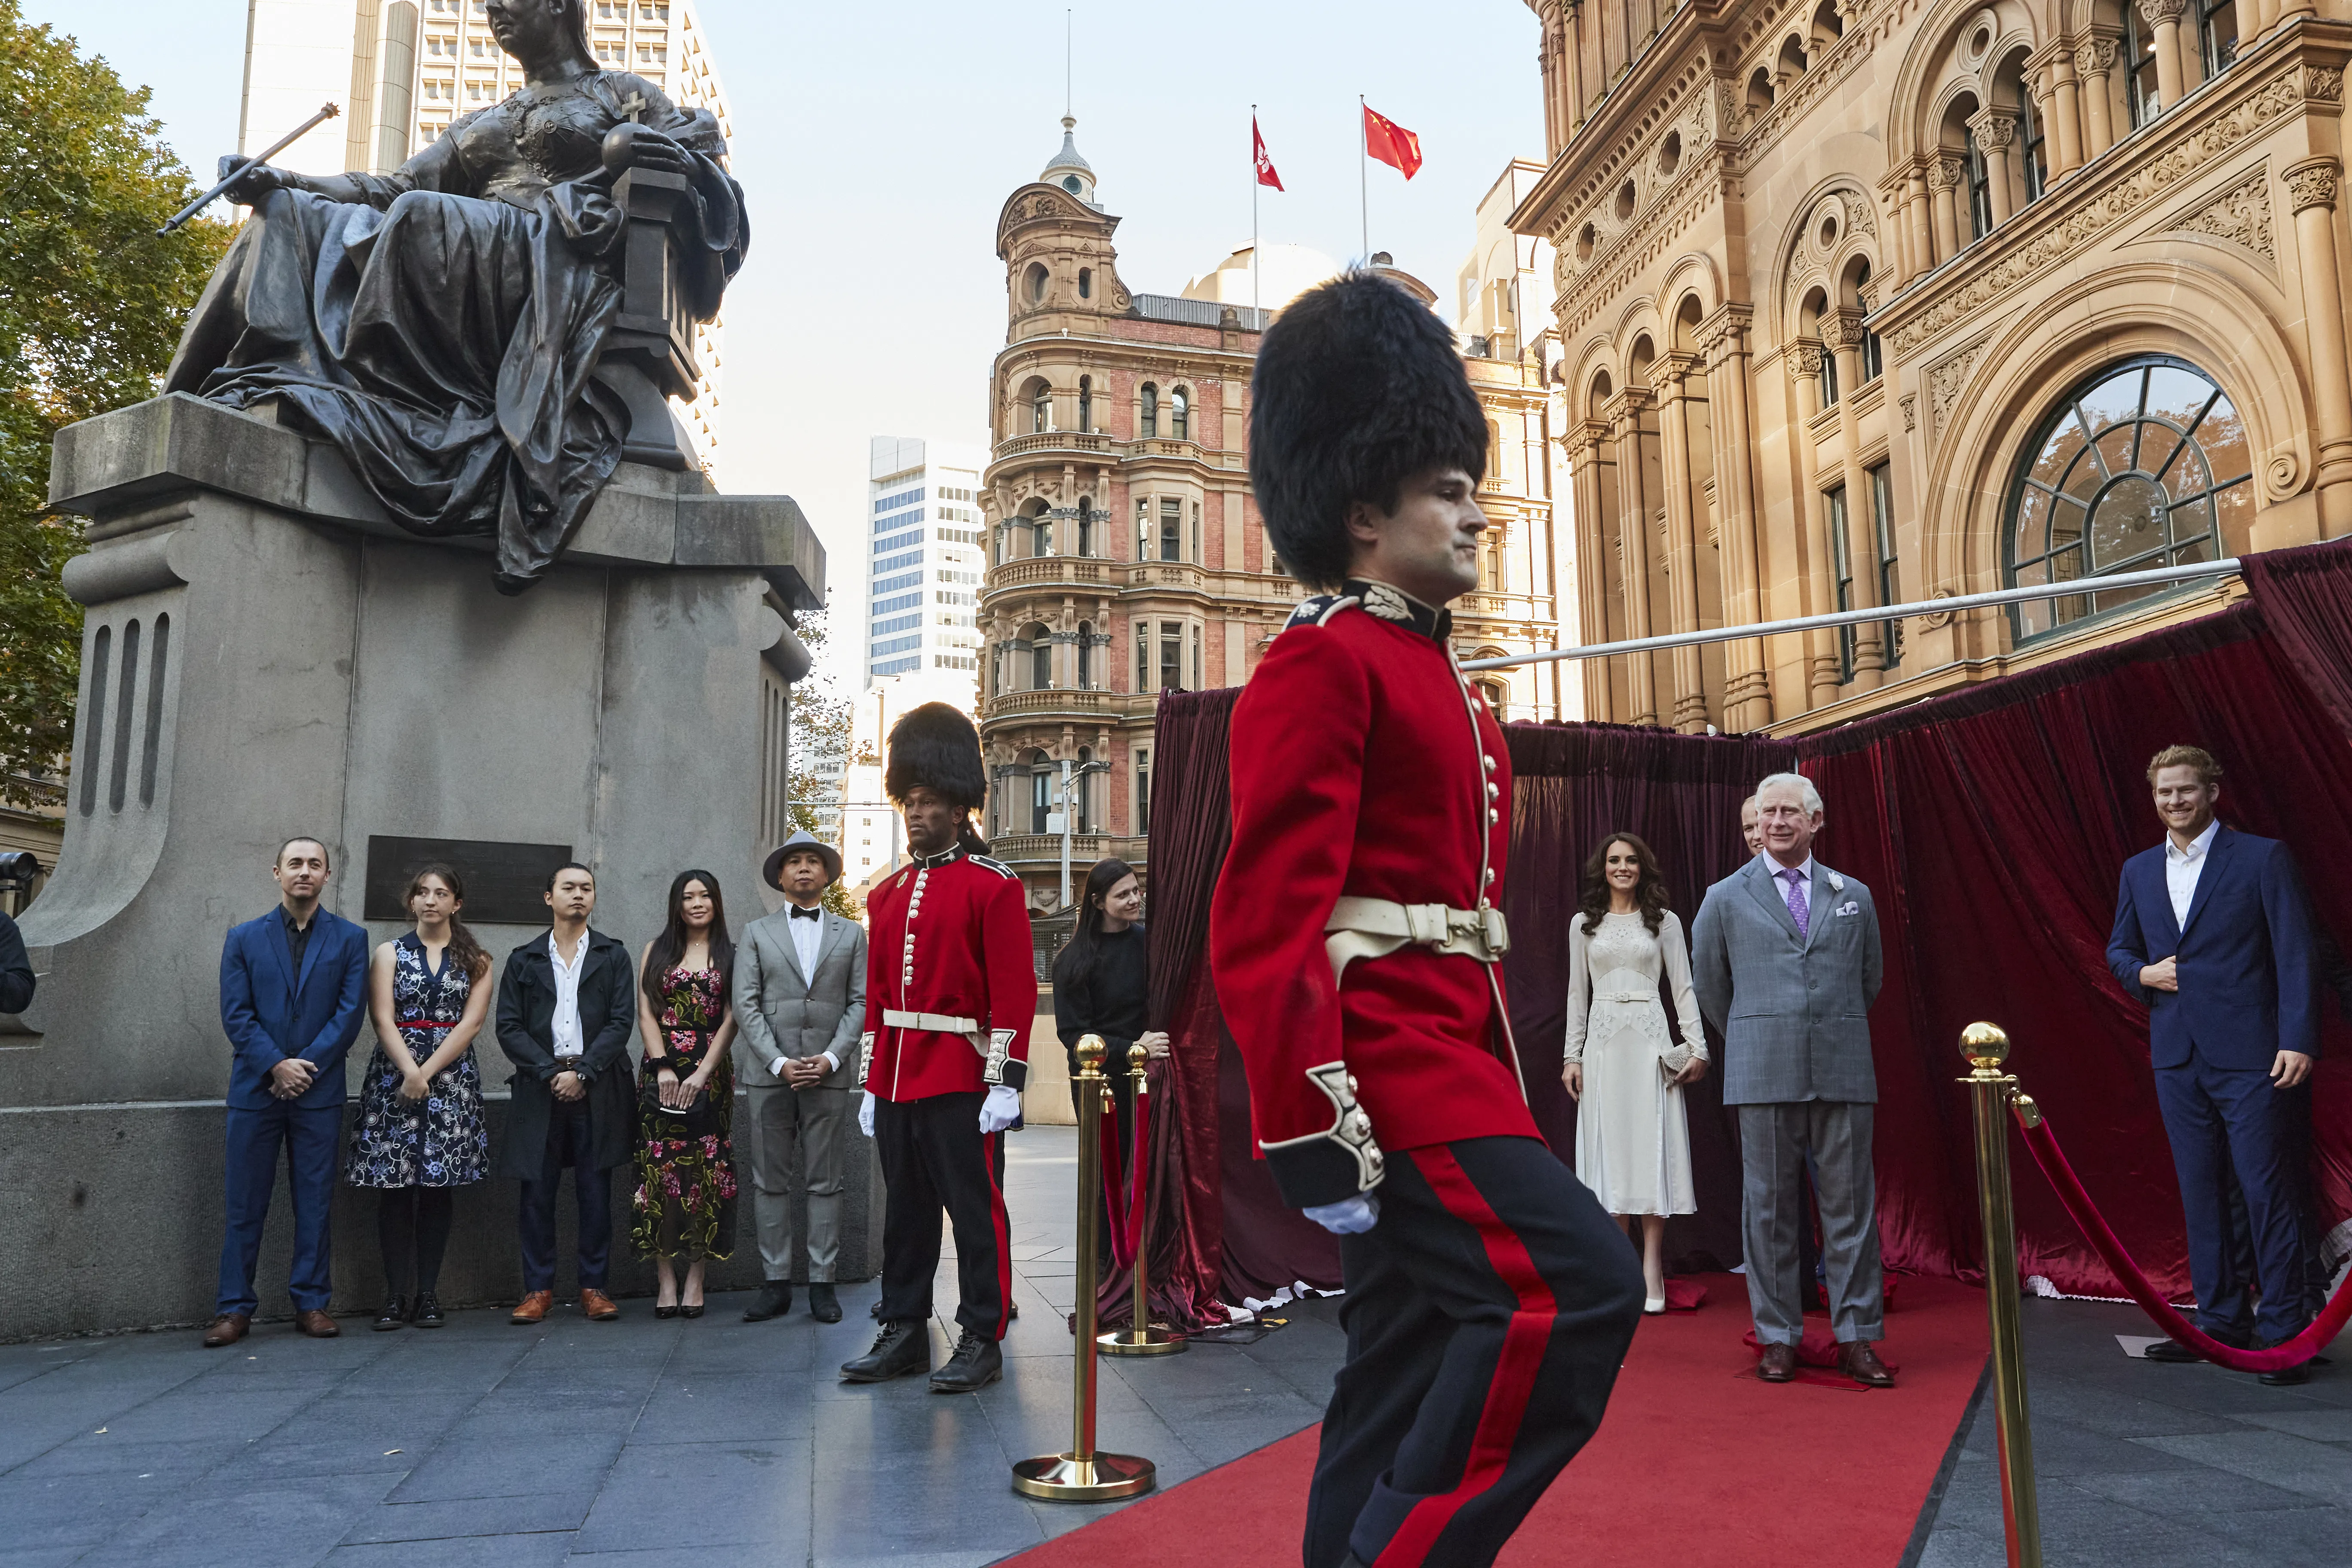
column 421, row 1134
column 684, row 1206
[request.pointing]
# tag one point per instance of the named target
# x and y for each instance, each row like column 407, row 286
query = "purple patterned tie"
column 1798, row 908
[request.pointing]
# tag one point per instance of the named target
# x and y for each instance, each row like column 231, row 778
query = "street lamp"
column 1062, row 821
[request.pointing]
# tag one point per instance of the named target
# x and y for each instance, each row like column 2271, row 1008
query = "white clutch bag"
column 1676, row 1060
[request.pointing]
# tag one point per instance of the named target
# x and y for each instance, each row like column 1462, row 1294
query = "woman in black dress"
column 1102, row 985
column 683, row 1208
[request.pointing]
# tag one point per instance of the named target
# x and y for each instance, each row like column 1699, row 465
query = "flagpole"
column 1255, row 183
column 1363, row 177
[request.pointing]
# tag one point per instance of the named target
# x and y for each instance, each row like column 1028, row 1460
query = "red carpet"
column 1698, row 1464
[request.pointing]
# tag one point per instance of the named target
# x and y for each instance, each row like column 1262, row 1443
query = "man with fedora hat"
column 800, row 1007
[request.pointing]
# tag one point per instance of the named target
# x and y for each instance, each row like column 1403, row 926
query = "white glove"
column 1348, row 1216
column 865, row 1114
column 1000, row 1109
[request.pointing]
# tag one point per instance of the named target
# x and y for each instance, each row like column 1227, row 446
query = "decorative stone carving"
column 1858, row 215
column 1944, row 172
column 2283, row 472
column 2157, row 12
column 2094, row 58
column 1843, row 331
column 1945, row 379
column 1941, row 618
column 1910, row 401
column 2312, row 182
column 2238, row 216
column 1807, row 358
column 1995, row 130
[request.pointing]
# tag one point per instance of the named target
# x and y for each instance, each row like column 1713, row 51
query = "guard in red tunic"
column 951, row 986
column 1355, row 936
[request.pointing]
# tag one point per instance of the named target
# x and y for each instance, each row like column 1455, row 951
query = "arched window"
column 1086, row 282
column 1086, row 403
column 1980, row 185
column 2145, row 464
column 1082, row 793
column 1086, row 525
column 1179, row 415
column 1043, row 541
column 1086, row 661
column 1037, row 279
column 1147, row 417
column 2139, row 66
column 2217, row 31
column 1497, row 696
column 1041, row 408
column 1041, row 791
column 1041, row 658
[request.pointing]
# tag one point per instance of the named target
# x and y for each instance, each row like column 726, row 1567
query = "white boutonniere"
column 1850, row 907
column 1837, row 883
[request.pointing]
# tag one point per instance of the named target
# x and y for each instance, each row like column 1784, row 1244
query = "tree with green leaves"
column 820, row 749
column 91, row 303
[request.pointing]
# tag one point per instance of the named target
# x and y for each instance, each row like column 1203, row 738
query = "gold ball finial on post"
column 1985, row 1046
column 1136, row 1057
column 1091, row 1052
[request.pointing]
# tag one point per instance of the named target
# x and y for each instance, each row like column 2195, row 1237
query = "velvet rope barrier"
column 1126, row 1222
column 2043, row 1145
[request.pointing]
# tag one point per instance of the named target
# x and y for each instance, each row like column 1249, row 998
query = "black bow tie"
column 801, row 914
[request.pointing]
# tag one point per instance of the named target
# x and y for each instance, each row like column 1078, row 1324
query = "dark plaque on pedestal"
column 505, row 884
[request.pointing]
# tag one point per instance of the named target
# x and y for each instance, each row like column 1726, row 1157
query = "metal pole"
column 1082, row 1475
column 1852, row 618
column 1140, row 1338
column 1364, row 177
column 326, row 112
column 1255, row 183
column 1990, row 1091
column 1065, row 832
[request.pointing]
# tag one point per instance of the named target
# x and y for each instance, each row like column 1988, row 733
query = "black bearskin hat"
column 1359, row 386
column 935, row 747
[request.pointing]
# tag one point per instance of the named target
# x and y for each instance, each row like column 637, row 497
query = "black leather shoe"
column 899, row 1349
column 775, row 1299
column 428, row 1311
column 823, row 1305
column 2171, row 1351
column 395, row 1315
column 875, row 1312
column 2285, row 1376
column 977, row 1363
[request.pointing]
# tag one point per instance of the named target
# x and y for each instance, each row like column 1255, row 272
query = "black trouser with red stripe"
column 1486, row 1314
column 934, row 1157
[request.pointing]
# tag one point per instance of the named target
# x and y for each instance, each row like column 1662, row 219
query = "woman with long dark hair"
column 684, row 1207
column 1102, row 985
column 421, row 1133
column 1623, row 1066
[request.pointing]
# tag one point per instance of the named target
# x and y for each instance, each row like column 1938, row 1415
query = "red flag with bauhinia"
column 1392, row 144
column 1266, row 174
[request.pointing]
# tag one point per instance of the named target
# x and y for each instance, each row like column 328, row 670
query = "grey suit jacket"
column 1794, row 1012
column 779, row 1012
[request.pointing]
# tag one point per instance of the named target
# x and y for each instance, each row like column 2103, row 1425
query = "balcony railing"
column 1065, row 701
column 1053, row 569
column 1505, row 607
column 1200, row 312
column 1029, row 848
column 1058, row 441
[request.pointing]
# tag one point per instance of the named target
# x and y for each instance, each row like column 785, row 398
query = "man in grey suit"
column 1785, row 957
column 800, row 1006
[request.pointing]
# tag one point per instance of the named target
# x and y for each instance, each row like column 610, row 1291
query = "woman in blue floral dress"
column 421, row 1134
column 684, row 1205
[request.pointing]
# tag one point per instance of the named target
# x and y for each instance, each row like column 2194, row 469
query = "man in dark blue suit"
column 2212, row 933
column 291, row 988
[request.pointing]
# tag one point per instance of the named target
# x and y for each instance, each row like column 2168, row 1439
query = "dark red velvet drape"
column 1992, row 824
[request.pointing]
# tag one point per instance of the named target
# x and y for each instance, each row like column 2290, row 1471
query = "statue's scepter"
column 233, row 175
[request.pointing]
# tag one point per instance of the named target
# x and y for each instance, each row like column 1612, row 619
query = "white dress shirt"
column 2183, row 867
column 808, row 937
column 565, row 1025
column 1780, row 874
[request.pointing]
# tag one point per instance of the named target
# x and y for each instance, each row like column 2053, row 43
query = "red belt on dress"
column 423, row 1023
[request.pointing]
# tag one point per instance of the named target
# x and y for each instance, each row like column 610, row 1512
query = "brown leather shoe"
column 226, row 1329
column 533, row 1307
column 1859, row 1363
column 317, row 1324
column 597, row 1306
column 1780, row 1364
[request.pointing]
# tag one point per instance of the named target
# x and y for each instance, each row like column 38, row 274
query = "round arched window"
column 2145, row 464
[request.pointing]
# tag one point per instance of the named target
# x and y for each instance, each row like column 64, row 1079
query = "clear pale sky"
column 878, row 144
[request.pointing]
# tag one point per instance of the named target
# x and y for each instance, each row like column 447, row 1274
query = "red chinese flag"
column 1392, row 144
column 1266, row 174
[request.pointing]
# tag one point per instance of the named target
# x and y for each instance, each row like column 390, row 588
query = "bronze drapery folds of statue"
column 442, row 325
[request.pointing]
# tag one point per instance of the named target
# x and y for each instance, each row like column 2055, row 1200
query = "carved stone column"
column 1673, row 373
column 1748, row 682
column 2093, row 61
column 2163, row 17
column 1943, row 179
column 1996, row 132
column 2291, row 9
column 2065, row 117
column 1822, row 671
column 1842, row 334
column 1918, row 217
column 1624, row 414
column 1583, row 443
column 2311, row 186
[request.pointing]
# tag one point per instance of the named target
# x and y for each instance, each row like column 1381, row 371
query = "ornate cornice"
column 2312, row 182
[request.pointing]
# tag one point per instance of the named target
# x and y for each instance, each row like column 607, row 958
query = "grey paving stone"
column 2316, row 1470
column 461, row 1518
column 705, row 1495
column 462, row 1551
column 554, row 1462
column 2318, row 1426
column 301, row 1519
column 46, row 1512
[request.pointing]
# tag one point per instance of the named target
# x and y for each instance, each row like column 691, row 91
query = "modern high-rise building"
column 401, row 71
column 923, row 563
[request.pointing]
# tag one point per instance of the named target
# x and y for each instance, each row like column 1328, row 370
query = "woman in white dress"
column 1625, row 1069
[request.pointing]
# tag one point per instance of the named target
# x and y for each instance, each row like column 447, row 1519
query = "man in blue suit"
column 2212, row 933
column 291, row 987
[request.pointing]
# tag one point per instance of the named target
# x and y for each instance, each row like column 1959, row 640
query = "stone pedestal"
column 265, row 654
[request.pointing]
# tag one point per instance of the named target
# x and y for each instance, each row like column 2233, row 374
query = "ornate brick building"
column 1868, row 302
column 1126, row 553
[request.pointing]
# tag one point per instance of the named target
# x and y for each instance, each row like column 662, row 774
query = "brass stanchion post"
column 1990, row 1092
column 1140, row 1338
column 1082, row 1475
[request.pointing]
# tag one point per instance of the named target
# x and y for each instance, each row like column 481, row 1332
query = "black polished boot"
column 775, row 1299
column 395, row 1315
column 428, row 1311
column 977, row 1363
column 823, row 1305
column 899, row 1349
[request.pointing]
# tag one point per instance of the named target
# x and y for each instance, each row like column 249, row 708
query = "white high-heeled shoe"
column 1653, row 1307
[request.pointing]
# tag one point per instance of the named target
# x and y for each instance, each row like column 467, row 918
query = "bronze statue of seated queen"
column 443, row 325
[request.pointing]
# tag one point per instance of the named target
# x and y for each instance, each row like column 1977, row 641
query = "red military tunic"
column 951, row 979
column 1364, row 765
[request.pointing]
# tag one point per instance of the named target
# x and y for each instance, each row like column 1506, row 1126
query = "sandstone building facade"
column 1126, row 553
column 1868, row 302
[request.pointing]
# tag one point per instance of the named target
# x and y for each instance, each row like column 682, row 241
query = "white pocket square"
column 1849, row 907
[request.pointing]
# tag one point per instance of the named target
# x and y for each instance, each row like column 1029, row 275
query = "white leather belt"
column 1373, row 928
column 938, row 1022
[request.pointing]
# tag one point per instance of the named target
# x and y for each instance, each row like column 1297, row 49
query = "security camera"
column 20, row 868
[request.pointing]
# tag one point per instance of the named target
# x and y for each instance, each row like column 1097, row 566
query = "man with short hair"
column 2212, row 933
column 1751, row 831
column 800, row 1008
column 1785, row 960
column 567, row 1006
column 1356, row 937
column 292, row 990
